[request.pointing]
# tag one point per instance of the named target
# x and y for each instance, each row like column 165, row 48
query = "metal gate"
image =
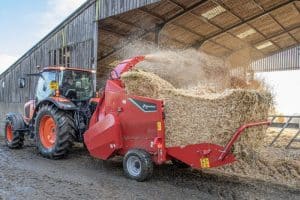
column 288, row 122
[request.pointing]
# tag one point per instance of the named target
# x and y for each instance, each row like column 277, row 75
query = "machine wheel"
column 14, row 139
column 137, row 165
column 54, row 131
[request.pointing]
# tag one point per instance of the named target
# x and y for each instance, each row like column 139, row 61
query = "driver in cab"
column 68, row 88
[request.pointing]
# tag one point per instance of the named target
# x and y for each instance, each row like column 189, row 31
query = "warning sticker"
column 158, row 125
column 53, row 85
column 204, row 162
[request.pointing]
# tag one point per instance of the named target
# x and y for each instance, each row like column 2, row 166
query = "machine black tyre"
column 14, row 139
column 138, row 165
column 54, row 130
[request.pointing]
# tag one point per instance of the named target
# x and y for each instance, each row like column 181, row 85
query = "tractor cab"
column 69, row 83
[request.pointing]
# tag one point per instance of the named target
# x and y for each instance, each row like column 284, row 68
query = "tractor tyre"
column 14, row 139
column 54, row 131
column 138, row 165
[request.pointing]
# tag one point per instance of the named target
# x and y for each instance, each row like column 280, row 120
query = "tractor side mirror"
column 21, row 82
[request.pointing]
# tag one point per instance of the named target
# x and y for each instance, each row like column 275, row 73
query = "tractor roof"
column 62, row 68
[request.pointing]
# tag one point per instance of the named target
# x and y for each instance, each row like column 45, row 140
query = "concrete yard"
column 24, row 174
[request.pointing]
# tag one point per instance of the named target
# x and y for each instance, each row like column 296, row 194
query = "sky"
column 25, row 22
column 285, row 86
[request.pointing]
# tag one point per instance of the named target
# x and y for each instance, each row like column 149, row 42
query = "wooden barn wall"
column 79, row 32
column 76, row 32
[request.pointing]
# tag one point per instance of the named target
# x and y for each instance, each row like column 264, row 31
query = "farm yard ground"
column 24, row 174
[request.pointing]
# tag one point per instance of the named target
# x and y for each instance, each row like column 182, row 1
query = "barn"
column 250, row 34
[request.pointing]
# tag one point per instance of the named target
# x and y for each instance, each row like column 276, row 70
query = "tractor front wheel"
column 138, row 165
column 14, row 138
column 54, row 131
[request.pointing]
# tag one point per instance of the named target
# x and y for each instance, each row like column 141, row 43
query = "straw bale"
column 192, row 118
column 237, row 82
column 213, row 118
column 279, row 166
column 144, row 84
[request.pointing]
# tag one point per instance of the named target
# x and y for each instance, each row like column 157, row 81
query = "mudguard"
column 17, row 118
column 104, row 137
column 60, row 102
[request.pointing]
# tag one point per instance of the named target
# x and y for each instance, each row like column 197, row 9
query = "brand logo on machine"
column 144, row 106
column 147, row 107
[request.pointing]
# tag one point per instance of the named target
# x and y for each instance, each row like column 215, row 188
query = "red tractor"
column 59, row 114
column 121, row 124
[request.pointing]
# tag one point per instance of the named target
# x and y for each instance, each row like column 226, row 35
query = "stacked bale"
column 199, row 115
column 195, row 117
column 203, row 103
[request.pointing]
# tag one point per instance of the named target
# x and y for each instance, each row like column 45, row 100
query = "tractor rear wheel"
column 54, row 131
column 14, row 139
column 138, row 165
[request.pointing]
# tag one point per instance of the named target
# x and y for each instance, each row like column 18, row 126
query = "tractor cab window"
column 44, row 89
column 76, row 85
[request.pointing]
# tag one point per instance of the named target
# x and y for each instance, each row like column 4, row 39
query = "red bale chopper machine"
column 66, row 110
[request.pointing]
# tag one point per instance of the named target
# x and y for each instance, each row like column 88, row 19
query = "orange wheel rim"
column 9, row 133
column 47, row 131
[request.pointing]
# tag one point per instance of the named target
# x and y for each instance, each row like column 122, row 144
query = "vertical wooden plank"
column 79, row 34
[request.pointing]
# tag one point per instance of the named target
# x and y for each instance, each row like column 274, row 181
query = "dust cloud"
column 182, row 68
